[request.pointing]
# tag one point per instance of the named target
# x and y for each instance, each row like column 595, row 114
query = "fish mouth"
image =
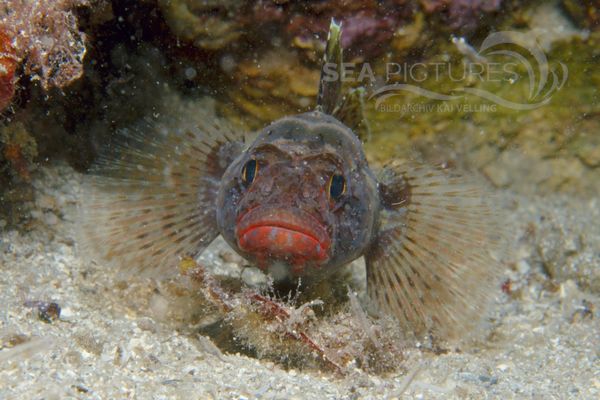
column 293, row 236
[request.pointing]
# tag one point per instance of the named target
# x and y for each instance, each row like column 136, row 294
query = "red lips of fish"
column 294, row 236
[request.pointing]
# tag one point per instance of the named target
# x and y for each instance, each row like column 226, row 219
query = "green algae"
column 551, row 148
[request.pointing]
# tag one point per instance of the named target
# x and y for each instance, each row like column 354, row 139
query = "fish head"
column 300, row 198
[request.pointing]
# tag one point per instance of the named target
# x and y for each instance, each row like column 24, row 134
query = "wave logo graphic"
column 543, row 81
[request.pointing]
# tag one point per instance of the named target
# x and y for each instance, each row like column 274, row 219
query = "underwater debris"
column 585, row 311
column 46, row 311
column 270, row 308
column 507, row 286
column 297, row 336
column 251, row 306
column 11, row 339
column 45, row 36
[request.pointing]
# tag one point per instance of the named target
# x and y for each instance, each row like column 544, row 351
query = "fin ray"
column 330, row 89
column 150, row 197
column 433, row 253
column 351, row 110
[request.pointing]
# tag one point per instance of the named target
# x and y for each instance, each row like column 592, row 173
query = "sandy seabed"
column 544, row 343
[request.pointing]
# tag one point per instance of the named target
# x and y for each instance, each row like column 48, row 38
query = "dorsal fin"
column 351, row 111
column 330, row 83
column 350, row 108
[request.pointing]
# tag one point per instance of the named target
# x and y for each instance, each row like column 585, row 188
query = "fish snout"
column 295, row 185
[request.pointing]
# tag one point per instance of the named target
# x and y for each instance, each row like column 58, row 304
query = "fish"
column 467, row 50
column 299, row 201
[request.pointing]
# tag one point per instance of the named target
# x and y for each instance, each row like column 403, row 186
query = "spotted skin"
column 287, row 213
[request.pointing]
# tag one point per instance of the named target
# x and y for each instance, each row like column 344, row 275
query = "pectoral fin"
column 150, row 198
column 431, row 265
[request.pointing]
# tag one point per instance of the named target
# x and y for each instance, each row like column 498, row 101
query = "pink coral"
column 464, row 14
column 45, row 36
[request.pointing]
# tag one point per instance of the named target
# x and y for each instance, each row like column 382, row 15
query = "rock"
column 549, row 24
column 8, row 66
column 583, row 12
column 591, row 156
column 254, row 277
column 568, row 244
column 273, row 86
column 501, row 171
column 50, row 218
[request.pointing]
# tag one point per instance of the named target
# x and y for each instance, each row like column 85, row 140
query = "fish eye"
column 249, row 171
column 336, row 186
